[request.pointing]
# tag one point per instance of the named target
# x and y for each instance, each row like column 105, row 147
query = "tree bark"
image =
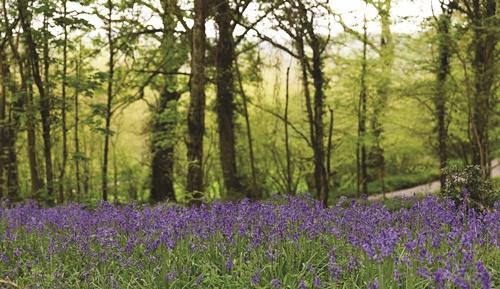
column 3, row 123
column 361, row 143
column 289, row 180
column 12, row 124
column 115, row 174
column 27, row 88
column 163, row 148
column 62, row 173
column 27, row 100
column 45, row 107
column 329, row 171
column 76, row 136
column 386, row 63
column 484, row 65
column 196, row 110
column 107, row 129
column 225, row 101
column 320, row 172
column 319, row 155
column 34, row 58
column 314, row 109
column 310, row 114
column 443, row 26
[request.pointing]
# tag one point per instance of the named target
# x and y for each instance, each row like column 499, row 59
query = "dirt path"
column 429, row 187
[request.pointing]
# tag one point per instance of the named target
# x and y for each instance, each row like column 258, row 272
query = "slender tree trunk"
column 196, row 111
column 361, row 143
column 115, row 175
column 11, row 127
column 87, row 172
column 27, row 88
column 315, row 117
column 45, row 107
column 320, row 156
column 25, row 19
column 163, row 147
column 254, row 192
column 289, row 180
column 315, row 111
column 386, row 59
column 440, row 100
column 484, row 65
column 164, row 121
column 26, row 101
column 107, row 132
column 310, row 113
column 3, row 123
column 76, row 137
column 225, row 101
column 12, row 167
column 62, row 173
column 329, row 172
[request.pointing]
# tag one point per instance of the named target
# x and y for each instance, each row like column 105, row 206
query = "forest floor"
column 428, row 188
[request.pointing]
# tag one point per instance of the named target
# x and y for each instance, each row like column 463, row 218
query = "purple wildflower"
column 483, row 275
column 170, row 276
column 255, row 280
column 276, row 283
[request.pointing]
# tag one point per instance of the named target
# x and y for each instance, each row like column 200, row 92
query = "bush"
column 466, row 184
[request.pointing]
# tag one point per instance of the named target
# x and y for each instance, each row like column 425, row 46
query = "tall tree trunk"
column 87, row 170
column 76, row 137
column 310, row 112
column 107, row 130
column 27, row 100
column 45, row 107
column 329, row 172
column 484, row 65
column 319, row 155
column 361, row 143
column 386, row 62
column 25, row 19
column 115, row 174
column 164, row 118
column 62, row 173
column 225, row 101
column 289, row 180
column 11, row 128
column 12, row 167
column 27, row 88
column 315, row 110
column 320, row 172
column 254, row 192
column 163, row 147
column 440, row 99
column 196, row 111
column 3, row 123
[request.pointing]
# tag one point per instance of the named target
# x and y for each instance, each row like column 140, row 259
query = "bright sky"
column 406, row 14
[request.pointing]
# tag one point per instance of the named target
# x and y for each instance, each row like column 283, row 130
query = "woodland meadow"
column 249, row 144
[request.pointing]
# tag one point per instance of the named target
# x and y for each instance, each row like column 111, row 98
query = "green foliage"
column 468, row 184
column 153, row 55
